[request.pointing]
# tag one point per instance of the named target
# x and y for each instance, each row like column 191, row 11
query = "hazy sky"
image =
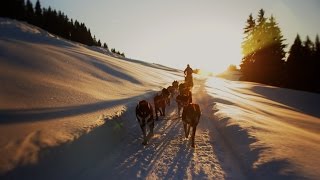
column 204, row 33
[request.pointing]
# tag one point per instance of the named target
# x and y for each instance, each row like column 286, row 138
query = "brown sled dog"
column 144, row 114
column 159, row 105
column 190, row 117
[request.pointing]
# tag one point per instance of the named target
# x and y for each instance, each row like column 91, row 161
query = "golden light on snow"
column 272, row 120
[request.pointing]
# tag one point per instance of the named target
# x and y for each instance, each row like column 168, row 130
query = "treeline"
column 55, row 22
column 264, row 57
column 117, row 52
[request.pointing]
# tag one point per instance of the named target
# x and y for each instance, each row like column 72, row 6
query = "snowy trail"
column 114, row 151
column 168, row 154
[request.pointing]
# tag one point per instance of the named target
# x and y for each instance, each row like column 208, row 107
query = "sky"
column 206, row 34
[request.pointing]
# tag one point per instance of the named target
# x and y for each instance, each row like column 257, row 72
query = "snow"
column 67, row 112
column 53, row 91
column 273, row 131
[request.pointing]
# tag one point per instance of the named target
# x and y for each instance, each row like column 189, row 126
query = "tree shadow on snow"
column 239, row 142
column 275, row 170
column 305, row 102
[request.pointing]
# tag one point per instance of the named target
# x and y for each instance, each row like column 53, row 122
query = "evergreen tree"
column 308, row 48
column 302, row 65
column 38, row 14
column 95, row 41
column 248, row 48
column 275, row 52
column 29, row 12
column 247, row 45
column 308, row 71
column 90, row 39
column 260, row 31
column 105, row 46
column 263, row 50
column 295, row 63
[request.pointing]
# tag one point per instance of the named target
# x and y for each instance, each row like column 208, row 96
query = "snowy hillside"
column 67, row 112
column 53, row 91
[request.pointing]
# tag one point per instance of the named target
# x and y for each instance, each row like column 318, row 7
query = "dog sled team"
column 182, row 94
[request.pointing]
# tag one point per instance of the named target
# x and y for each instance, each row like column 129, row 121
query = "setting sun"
column 222, row 56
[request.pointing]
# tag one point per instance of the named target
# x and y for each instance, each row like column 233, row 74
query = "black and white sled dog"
column 144, row 114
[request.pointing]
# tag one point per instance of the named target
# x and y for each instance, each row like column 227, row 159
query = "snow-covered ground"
column 274, row 132
column 67, row 112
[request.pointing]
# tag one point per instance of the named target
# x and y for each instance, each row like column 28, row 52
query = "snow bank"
column 54, row 91
column 273, row 132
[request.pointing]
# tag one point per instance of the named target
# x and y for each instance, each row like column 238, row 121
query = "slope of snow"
column 53, row 91
column 67, row 112
column 273, row 131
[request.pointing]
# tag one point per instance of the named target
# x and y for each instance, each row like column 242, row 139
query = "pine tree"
column 260, row 31
column 308, row 48
column 263, row 50
column 38, row 9
column 38, row 14
column 309, row 70
column 301, row 65
column 248, row 48
column 105, row 46
column 30, row 12
column 276, row 53
column 294, row 64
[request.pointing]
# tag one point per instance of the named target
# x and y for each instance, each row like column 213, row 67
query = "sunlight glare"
column 224, row 53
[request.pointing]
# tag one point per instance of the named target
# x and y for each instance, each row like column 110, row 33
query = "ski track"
column 168, row 154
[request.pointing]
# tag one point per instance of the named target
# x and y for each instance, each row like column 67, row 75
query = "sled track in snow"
column 168, row 154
